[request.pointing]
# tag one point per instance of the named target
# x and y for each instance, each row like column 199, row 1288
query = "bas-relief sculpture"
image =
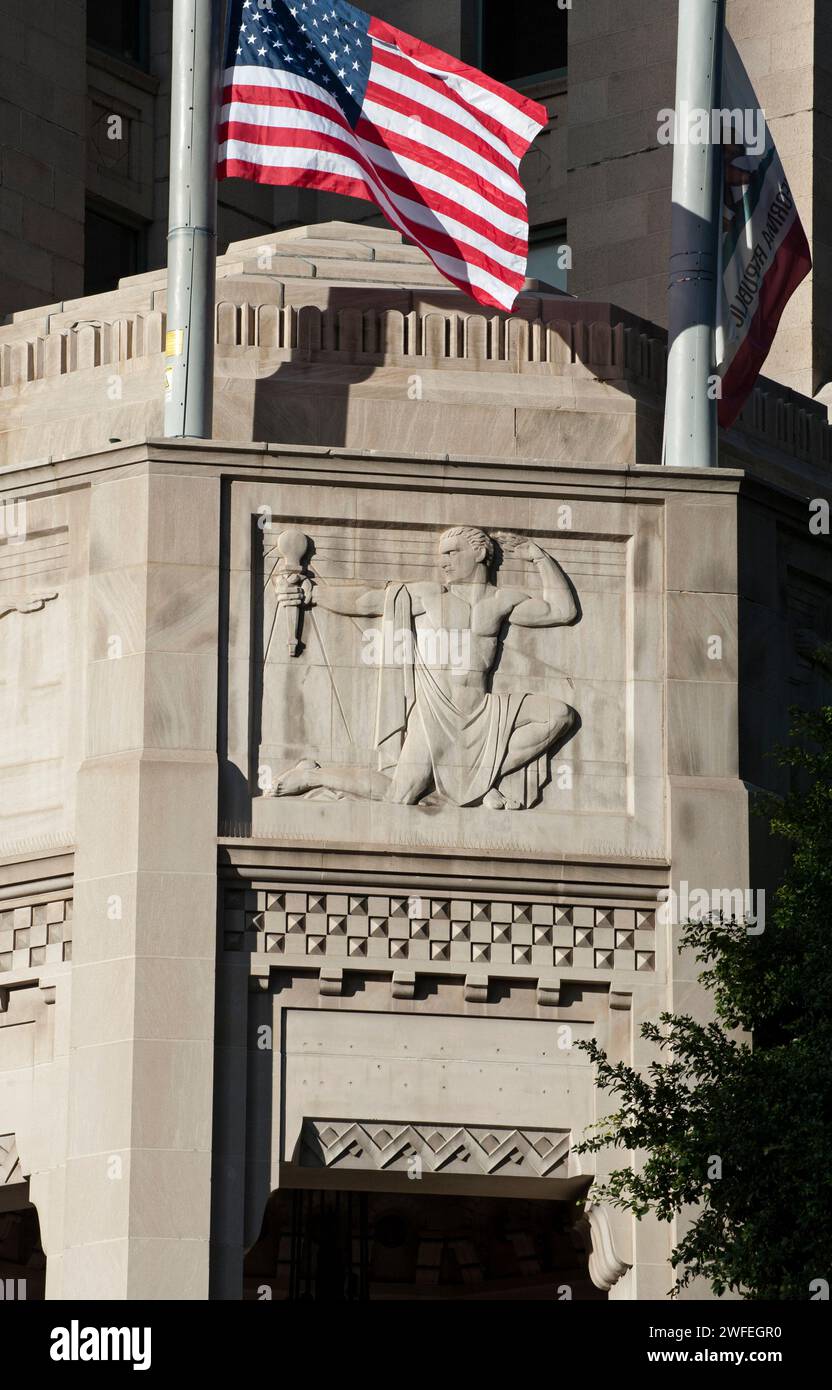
column 441, row 733
column 25, row 603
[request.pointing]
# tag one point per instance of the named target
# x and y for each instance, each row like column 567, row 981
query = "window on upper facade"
column 549, row 255
column 113, row 248
column 522, row 43
column 120, row 27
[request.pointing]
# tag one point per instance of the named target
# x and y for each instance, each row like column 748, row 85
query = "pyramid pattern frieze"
column 35, row 935
column 500, row 933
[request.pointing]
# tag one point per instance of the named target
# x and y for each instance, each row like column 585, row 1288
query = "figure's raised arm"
column 555, row 605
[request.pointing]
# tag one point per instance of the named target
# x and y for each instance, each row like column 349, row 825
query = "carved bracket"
column 594, row 1230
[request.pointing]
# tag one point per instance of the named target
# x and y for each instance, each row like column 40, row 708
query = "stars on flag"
column 306, row 66
column 312, row 39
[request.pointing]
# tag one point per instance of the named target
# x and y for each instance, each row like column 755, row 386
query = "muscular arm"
column 555, row 604
column 358, row 601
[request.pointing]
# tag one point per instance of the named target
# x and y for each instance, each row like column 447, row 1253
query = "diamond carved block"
column 408, row 927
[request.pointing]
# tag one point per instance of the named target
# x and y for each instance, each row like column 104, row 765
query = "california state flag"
column 764, row 251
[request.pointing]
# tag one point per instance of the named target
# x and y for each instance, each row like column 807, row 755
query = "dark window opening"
column 112, row 250
column 520, row 45
column 120, row 27
column 22, row 1261
column 549, row 256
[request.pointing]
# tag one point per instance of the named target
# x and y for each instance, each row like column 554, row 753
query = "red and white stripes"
column 437, row 147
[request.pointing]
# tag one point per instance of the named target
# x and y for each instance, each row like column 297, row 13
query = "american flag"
column 321, row 95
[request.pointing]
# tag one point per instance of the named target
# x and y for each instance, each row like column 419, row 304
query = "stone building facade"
column 347, row 761
column 84, row 119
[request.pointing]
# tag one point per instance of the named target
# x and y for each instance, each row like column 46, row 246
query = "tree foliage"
column 734, row 1115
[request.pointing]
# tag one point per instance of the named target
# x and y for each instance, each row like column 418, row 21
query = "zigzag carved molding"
column 389, row 1146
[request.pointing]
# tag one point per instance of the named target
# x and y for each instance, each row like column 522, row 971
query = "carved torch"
column 292, row 584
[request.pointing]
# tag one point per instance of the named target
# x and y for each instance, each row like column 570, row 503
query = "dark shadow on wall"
column 244, row 1089
column 785, row 619
column 356, row 1244
column 22, row 1258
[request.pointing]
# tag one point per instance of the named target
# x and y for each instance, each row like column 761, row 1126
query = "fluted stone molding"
column 269, row 292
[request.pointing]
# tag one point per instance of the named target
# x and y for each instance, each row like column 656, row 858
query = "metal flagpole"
column 192, row 219
column 691, row 406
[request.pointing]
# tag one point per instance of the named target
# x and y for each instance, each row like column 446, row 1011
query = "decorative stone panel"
column 391, row 1146
column 37, row 935
column 493, row 933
